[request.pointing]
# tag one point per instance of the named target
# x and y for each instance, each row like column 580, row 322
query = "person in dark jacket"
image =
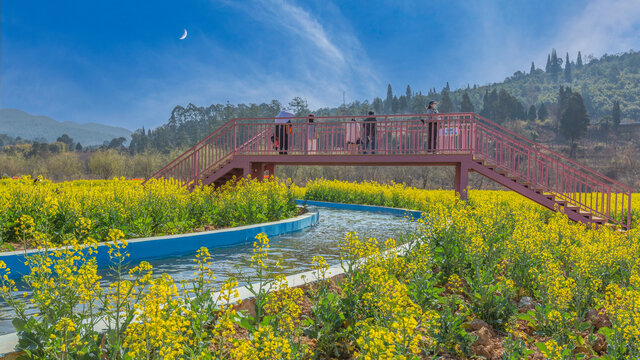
column 432, row 127
column 283, row 131
column 370, row 133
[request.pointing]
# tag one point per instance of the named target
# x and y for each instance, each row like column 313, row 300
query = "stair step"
column 598, row 219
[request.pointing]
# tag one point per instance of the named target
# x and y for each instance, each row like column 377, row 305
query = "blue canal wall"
column 159, row 247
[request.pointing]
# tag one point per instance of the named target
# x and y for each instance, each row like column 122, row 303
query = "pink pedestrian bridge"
column 465, row 141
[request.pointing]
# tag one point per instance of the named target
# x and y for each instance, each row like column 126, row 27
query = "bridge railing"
column 386, row 135
column 552, row 173
column 193, row 163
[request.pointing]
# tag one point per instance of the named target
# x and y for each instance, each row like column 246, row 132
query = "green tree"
column 547, row 68
column 563, row 98
column 532, row 113
column 556, row 65
column 389, row 100
column 67, row 140
column 543, row 113
column 508, row 107
column 614, row 73
column 78, row 147
column 446, row 105
column 574, row 121
column 466, row 105
column 615, row 114
column 377, row 105
column 395, row 105
column 567, row 70
column 579, row 61
column 299, row 106
column 489, row 104
column 402, row 104
column 117, row 143
column 533, row 69
column 408, row 93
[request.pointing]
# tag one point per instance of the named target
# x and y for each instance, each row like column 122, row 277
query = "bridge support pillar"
column 462, row 180
column 260, row 170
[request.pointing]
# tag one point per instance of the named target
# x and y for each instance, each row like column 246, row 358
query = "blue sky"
column 121, row 62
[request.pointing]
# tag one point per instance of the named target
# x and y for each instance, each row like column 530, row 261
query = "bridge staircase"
column 467, row 141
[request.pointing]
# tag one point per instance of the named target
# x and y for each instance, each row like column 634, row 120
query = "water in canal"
column 295, row 251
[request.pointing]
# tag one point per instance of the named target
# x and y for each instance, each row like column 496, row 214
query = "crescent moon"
column 184, row 36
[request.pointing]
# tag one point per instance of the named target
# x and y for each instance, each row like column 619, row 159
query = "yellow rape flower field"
column 93, row 207
column 495, row 277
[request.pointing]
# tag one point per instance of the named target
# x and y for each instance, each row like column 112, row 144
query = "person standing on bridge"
column 432, row 127
column 370, row 133
column 283, row 130
column 353, row 136
column 312, row 137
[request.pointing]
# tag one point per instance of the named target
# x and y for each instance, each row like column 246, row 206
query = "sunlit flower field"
column 496, row 276
column 93, row 207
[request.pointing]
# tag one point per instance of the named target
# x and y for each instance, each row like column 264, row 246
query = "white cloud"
column 324, row 56
column 603, row 26
column 298, row 21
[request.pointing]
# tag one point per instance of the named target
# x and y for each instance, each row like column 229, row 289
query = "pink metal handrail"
column 565, row 171
column 172, row 165
column 529, row 175
column 542, row 147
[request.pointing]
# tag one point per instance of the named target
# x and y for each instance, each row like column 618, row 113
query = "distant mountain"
column 16, row 123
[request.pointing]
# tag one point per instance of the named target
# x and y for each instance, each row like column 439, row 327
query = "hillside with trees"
column 600, row 81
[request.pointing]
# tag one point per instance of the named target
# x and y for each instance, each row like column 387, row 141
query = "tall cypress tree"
column 547, row 68
column 466, row 105
column 408, row 92
column 555, row 64
column 485, row 104
column 389, row 100
column 533, row 69
column 543, row 113
column 563, row 97
column 554, row 60
column 615, row 114
column 579, row 61
column 567, row 70
column 574, row 120
column 532, row 113
column 447, row 87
